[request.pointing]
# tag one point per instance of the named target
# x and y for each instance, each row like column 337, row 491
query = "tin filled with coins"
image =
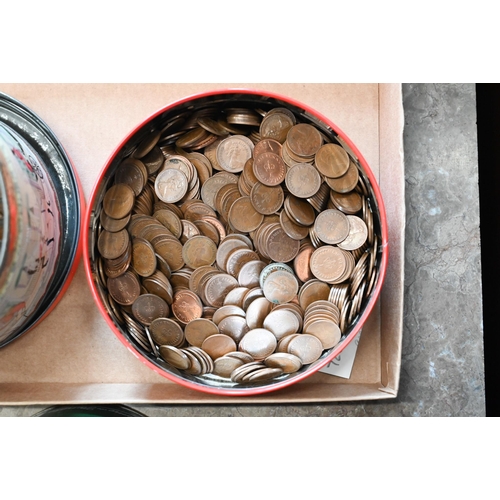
column 236, row 242
column 41, row 210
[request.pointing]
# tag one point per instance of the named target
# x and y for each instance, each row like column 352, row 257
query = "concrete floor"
column 442, row 362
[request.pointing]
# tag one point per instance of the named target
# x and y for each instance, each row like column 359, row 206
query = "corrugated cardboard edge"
column 392, row 185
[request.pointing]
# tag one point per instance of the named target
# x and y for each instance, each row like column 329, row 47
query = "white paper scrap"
column 341, row 366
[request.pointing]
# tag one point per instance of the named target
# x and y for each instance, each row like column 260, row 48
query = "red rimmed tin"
column 43, row 208
column 234, row 98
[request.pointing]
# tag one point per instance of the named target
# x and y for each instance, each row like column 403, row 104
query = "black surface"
column 488, row 127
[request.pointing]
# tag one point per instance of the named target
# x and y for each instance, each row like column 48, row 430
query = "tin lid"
column 69, row 194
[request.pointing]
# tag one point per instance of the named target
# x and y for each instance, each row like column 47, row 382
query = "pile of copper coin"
column 236, row 243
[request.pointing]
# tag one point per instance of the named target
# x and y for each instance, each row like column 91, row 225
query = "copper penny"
column 124, row 289
column 197, row 330
column 175, row 357
column 347, row 182
column 304, row 139
column 259, row 343
column 143, row 257
column 118, row 201
column 266, row 200
column 199, row 251
column 166, row 331
column 328, row 263
column 267, row 146
column 280, row 247
column 269, row 169
column 280, row 287
column 113, row 245
column 276, row 126
column 289, row 363
column 307, row 348
column 300, row 211
column 332, row 160
column 187, row 306
column 331, row 226
column 243, row 217
column 132, row 172
column 218, row 345
column 303, row 180
column 148, row 307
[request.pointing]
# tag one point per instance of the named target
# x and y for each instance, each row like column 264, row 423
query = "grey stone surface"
column 442, row 370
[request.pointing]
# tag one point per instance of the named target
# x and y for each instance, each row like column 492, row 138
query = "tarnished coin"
column 289, row 363
column 234, row 326
column 238, row 258
column 218, row 287
column 175, row 357
column 262, row 374
column 218, row 345
column 328, row 263
column 199, row 251
column 147, row 307
column 276, row 126
column 280, row 287
column 325, row 330
column 307, row 348
column 259, row 343
column 171, row 251
column 358, row 234
column 331, row 226
column 132, row 172
column 312, row 291
column 304, row 140
column 348, row 203
column 113, row 245
column 170, row 220
column 225, row 365
column 227, row 310
column 243, row 217
column 113, row 225
column 233, row 152
column 266, row 200
column 332, row 160
column 269, row 169
column 143, row 257
column 250, row 272
column 301, row 263
column 303, row 180
column 197, row 330
column 118, row 201
column 171, row 185
column 281, row 323
column 280, row 247
column 187, row 306
column 300, row 211
column 347, row 182
column 293, row 230
column 166, row 331
column 267, row 146
column 257, row 312
column 124, row 289
column 211, row 187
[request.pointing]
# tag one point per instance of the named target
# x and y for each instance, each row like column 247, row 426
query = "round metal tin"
column 44, row 156
column 231, row 98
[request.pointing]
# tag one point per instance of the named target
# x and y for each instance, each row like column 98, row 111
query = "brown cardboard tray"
column 73, row 356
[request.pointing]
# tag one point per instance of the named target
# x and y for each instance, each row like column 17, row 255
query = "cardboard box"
column 73, row 356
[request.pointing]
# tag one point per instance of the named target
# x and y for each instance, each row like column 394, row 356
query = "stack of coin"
column 236, row 243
